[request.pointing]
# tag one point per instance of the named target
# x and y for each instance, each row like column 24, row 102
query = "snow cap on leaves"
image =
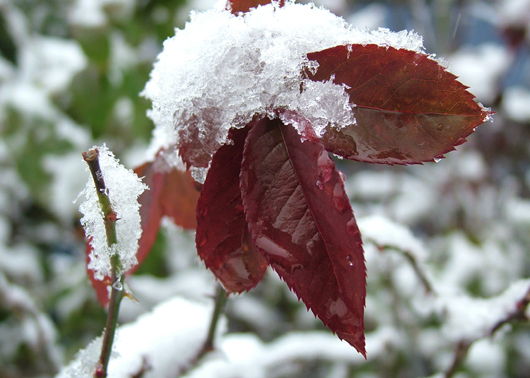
column 222, row 69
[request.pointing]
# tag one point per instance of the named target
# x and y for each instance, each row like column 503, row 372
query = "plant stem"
column 220, row 301
column 109, row 218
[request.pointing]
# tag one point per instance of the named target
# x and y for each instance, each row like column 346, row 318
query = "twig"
column 413, row 262
column 460, row 354
column 109, row 218
column 464, row 345
column 220, row 301
column 517, row 315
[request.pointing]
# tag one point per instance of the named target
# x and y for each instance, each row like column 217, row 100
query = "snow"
column 29, row 326
column 513, row 12
column 245, row 355
column 165, row 339
column 94, row 13
column 387, row 234
column 486, row 358
column 468, row 318
column 256, row 60
column 515, row 103
column 480, row 68
column 65, row 183
column 51, row 63
column 370, row 16
column 124, row 188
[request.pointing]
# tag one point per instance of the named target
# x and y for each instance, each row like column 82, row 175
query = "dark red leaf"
column 301, row 220
column 222, row 238
column 237, row 6
column 409, row 109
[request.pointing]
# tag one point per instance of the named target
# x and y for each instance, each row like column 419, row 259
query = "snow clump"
column 123, row 189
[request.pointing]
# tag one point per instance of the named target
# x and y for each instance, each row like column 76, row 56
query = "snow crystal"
column 123, row 187
column 221, row 70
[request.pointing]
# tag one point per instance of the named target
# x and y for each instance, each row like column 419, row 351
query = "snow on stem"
column 118, row 254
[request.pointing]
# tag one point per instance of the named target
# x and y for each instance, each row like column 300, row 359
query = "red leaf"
column 100, row 287
column 223, row 240
column 171, row 193
column 301, row 220
column 409, row 109
column 237, row 6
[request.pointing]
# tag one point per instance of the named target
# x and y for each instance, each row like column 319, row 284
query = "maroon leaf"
column 301, row 220
column 409, row 109
column 237, row 6
column 171, row 193
column 222, row 238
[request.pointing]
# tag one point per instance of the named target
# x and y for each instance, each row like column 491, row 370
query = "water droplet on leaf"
column 319, row 185
column 350, row 260
column 460, row 141
column 340, row 201
column 439, row 127
column 351, row 227
column 117, row 285
column 437, row 159
column 325, row 167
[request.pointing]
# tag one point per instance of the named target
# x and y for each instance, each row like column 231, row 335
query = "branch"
column 519, row 314
column 413, row 262
column 460, row 354
column 109, row 218
column 220, row 301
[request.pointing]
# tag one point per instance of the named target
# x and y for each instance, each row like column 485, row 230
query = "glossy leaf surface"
column 301, row 220
column 237, row 6
column 409, row 109
column 222, row 238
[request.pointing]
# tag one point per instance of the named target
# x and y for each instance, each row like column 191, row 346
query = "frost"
column 222, row 70
column 124, row 188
